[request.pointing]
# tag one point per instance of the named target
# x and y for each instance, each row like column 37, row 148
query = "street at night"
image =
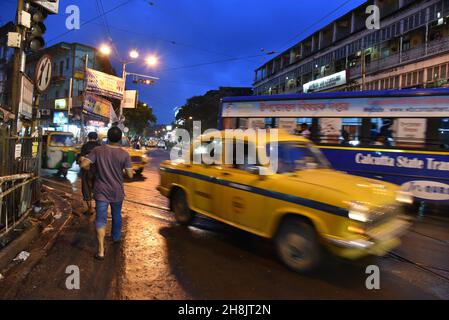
column 235, row 159
column 161, row 260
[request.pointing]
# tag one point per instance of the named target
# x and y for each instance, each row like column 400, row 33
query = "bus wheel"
column 180, row 207
column 297, row 246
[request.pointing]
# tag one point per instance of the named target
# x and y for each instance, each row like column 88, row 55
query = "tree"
column 206, row 108
column 138, row 119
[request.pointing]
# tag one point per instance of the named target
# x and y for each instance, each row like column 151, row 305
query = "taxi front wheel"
column 180, row 207
column 297, row 246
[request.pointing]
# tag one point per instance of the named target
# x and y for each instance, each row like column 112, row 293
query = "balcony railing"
column 433, row 48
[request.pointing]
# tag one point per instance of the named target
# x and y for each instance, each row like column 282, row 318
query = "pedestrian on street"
column 111, row 161
column 88, row 176
column 305, row 132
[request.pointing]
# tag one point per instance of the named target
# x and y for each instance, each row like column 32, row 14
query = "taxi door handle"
column 225, row 174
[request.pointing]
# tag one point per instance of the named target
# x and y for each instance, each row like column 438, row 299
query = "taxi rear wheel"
column 180, row 207
column 298, row 246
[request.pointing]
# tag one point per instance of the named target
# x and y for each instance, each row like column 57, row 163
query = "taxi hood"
column 340, row 186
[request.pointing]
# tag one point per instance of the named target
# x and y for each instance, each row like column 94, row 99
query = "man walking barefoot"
column 111, row 160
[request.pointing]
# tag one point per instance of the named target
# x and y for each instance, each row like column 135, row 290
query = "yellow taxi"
column 139, row 158
column 305, row 206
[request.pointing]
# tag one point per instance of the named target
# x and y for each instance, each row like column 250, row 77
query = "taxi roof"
column 278, row 134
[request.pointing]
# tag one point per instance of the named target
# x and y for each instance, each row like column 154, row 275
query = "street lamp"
column 134, row 54
column 105, row 49
column 152, row 60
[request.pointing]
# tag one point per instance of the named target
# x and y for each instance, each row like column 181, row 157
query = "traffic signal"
column 35, row 37
column 147, row 82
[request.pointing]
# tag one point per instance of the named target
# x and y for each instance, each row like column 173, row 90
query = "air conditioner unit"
column 45, row 112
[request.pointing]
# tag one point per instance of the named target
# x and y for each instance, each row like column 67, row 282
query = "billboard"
column 60, row 118
column 97, row 105
column 130, row 100
column 104, row 84
column 51, row 6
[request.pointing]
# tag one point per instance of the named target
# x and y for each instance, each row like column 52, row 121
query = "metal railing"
column 19, row 178
column 17, row 194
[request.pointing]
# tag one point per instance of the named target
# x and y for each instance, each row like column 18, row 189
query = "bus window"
column 351, row 131
column 444, row 133
column 381, row 132
column 409, row 132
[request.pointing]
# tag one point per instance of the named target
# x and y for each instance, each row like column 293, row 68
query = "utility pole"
column 363, row 69
column 18, row 68
column 120, row 117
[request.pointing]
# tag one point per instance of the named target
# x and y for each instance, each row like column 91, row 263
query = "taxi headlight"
column 404, row 197
column 359, row 212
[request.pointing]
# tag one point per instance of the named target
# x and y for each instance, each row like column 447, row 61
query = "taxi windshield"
column 294, row 156
column 61, row 140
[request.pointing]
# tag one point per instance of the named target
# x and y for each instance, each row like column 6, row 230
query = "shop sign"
column 130, row 100
column 104, row 84
column 26, row 99
column 61, row 104
column 332, row 81
column 97, row 105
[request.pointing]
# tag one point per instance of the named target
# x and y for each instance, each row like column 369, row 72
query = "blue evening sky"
column 191, row 38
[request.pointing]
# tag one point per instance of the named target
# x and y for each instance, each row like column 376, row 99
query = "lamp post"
column 151, row 61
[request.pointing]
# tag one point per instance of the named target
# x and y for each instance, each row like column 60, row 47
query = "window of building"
column 429, row 75
column 436, row 73
column 421, row 76
column 61, row 68
column 443, row 71
column 67, row 61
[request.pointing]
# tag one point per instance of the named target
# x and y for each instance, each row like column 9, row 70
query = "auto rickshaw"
column 59, row 152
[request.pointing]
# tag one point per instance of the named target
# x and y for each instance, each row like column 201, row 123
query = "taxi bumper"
column 376, row 242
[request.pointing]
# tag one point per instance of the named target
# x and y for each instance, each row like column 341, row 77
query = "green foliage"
column 206, row 108
column 137, row 120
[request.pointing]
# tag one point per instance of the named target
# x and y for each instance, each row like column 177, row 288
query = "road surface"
column 160, row 260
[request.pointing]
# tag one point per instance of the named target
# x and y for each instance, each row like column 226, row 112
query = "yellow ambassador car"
column 306, row 207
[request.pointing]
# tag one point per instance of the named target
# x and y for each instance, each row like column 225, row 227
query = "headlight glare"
column 359, row 212
column 404, row 197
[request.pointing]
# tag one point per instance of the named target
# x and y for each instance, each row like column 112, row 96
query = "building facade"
column 6, row 55
column 67, row 88
column 410, row 50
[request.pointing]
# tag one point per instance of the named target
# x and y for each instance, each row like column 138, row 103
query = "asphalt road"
column 160, row 260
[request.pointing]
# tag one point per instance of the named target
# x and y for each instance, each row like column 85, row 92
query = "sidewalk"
column 69, row 241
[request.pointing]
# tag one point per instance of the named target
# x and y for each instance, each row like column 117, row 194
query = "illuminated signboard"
column 60, row 118
column 60, row 104
column 334, row 80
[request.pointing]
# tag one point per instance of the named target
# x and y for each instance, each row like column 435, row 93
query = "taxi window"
column 293, row 156
column 210, row 152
